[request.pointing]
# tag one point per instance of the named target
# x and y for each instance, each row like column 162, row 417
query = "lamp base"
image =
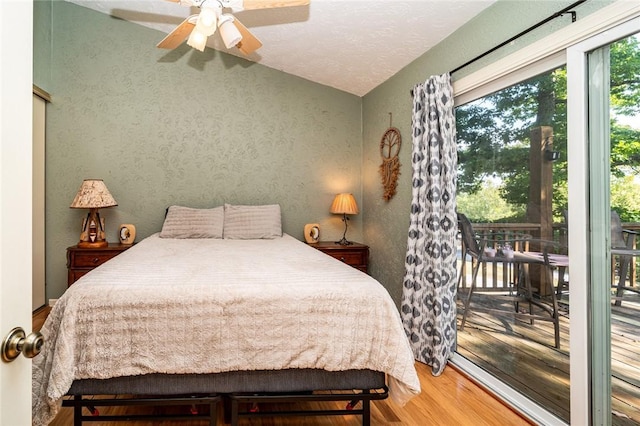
column 93, row 245
column 344, row 242
column 92, row 235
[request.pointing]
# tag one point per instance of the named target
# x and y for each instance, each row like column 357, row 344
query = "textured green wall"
column 386, row 223
column 42, row 43
column 189, row 128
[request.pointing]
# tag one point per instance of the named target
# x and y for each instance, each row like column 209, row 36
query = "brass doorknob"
column 17, row 342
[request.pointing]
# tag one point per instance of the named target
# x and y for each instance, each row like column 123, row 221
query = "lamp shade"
column 93, row 194
column 344, row 204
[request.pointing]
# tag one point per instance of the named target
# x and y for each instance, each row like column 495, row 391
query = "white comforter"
column 209, row 305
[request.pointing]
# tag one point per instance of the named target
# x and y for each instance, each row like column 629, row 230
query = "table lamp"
column 93, row 195
column 344, row 204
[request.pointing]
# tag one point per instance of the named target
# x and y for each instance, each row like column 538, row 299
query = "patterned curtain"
column 429, row 291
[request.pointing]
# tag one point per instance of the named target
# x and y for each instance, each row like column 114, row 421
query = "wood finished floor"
column 450, row 399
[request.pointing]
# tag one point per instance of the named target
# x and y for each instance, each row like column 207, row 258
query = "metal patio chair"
column 623, row 248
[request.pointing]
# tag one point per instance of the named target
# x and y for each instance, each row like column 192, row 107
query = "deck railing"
column 498, row 276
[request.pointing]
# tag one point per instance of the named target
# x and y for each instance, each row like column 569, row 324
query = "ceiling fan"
column 211, row 17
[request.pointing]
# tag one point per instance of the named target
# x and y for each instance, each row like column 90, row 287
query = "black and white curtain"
column 429, row 292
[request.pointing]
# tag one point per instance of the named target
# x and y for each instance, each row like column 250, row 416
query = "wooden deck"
column 523, row 355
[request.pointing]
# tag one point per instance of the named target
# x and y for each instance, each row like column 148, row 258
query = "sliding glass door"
column 593, row 196
column 604, row 200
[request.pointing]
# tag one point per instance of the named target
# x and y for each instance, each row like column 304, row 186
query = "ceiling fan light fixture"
column 207, row 21
column 197, row 40
column 229, row 32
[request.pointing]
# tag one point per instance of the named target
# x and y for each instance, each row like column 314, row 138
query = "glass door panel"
column 624, row 191
column 614, row 163
column 512, row 188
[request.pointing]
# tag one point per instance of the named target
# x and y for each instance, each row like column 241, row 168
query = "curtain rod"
column 533, row 27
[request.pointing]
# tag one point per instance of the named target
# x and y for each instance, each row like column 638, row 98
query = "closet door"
column 38, row 265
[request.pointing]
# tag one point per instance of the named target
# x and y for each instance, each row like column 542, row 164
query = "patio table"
column 524, row 293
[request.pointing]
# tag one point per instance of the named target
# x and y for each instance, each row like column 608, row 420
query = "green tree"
column 493, row 132
column 624, row 196
column 486, row 205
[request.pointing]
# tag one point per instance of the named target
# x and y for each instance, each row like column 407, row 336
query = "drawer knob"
column 96, row 260
column 342, row 258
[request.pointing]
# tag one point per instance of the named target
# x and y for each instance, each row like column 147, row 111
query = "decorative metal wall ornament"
column 390, row 167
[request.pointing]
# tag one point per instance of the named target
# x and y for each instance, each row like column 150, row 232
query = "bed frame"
column 235, row 389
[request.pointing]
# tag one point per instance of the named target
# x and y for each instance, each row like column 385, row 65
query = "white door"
column 16, row 52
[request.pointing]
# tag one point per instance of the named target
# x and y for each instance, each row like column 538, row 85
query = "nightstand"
column 82, row 260
column 356, row 254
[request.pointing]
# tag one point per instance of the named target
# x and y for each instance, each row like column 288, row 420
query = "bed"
column 237, row 309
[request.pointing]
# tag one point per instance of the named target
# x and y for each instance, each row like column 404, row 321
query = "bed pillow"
column 252, row 222
column 186, row 222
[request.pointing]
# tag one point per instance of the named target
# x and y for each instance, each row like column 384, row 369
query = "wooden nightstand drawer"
column 350, row 258
column 91, row 260
column 356, row 254
column 80, row 261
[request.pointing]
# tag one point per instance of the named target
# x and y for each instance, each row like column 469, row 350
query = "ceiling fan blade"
column 265, row 4
column 177, row 36
column 249, row 42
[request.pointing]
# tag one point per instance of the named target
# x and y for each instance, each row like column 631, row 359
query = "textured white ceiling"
column 351, row 45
